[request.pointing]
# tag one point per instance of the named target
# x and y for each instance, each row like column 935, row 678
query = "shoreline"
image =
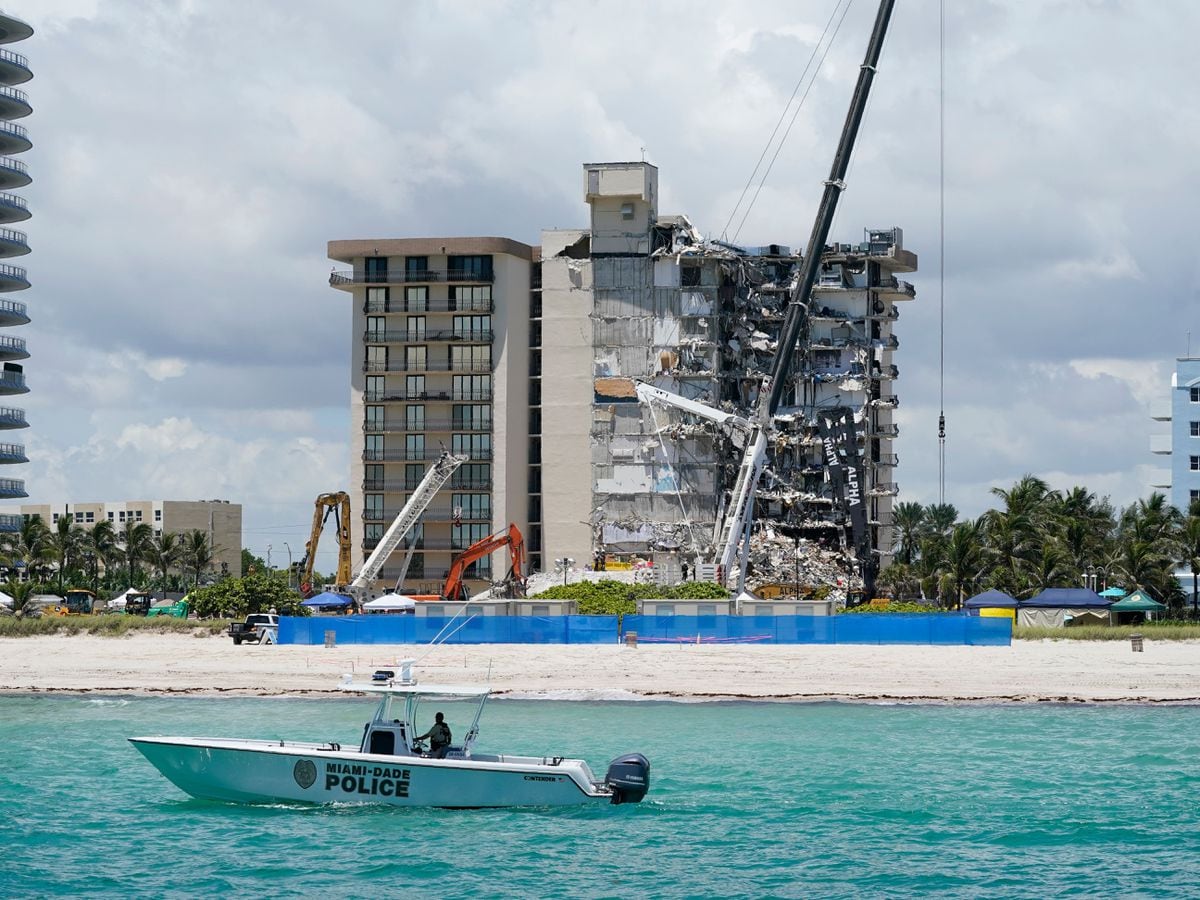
column 185, row 665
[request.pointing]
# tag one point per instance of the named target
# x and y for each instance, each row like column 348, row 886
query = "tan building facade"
column 219, row 519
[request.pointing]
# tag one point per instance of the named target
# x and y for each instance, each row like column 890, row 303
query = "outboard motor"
column 629, row 778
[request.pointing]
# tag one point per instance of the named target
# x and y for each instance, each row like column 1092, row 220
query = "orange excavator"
column 454, row 589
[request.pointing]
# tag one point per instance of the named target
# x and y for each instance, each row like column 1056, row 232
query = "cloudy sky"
column 193, row 158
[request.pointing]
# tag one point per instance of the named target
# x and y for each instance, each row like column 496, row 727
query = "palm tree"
column 963, row 560
column 134, row 542
column 198, row 554
column 163, row 551
column 63, row 543
column 909, row 522
column 102, row 545
column 29, row 547
column 1050, row 568
column 1189, row 544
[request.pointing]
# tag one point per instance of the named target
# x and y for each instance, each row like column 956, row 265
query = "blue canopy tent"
column 328, row 600
column 1055, row 607
column 992, row 599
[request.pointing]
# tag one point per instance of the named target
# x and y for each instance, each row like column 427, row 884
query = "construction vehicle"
column 171, row 609
column 137, row 603
column 514, row 582
column 77, row 602
column 360, row 588
column 338, row 506
column 732, row 534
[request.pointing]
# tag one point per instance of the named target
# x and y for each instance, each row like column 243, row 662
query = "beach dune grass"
column 1155, row 631
column 108, row 626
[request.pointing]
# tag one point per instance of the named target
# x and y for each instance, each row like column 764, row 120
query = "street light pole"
column 289, row 550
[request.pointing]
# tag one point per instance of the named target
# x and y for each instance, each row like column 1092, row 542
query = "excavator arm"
column 511, row 537
column 337, row 505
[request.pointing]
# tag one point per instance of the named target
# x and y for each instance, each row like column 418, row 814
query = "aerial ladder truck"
column 732, row 534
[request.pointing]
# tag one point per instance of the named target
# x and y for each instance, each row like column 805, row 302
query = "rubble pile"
column 773, row 560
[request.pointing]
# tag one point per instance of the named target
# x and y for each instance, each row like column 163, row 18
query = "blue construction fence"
column 864, row 628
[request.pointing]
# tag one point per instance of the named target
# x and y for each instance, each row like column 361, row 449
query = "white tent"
column 6, row 600
column 390, row 603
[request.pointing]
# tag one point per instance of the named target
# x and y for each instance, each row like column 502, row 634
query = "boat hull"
column 267, row 772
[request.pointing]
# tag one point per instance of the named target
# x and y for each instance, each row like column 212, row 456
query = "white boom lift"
column 434, row 480
column 734, row 529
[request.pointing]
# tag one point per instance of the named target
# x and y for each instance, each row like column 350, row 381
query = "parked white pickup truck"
column 253, row 629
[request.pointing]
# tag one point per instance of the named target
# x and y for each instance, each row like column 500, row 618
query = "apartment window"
column 416, row 299
column 481, row 568
column 1195, row 463
column 122, row 516
column 416, row 566
column 535, row 392
column 689, row 276
column 473, row 506
column 54, row 519
column 416, row 328
column 376, row 268
column 1196, row 395
column 111, row 516
column 373, row 506
column 416, row 268
column 377, row 358
column 376, row 325
column 414, row 387
column 472, row 475
column 535, row 509
column 377, row 299
column 472, row 416
column 473, row 328
column 463, row 536
column 414, row 417
column 535, row 449
column 374, row 418
column 376, row 387
column 413, row 473
column 477, row 446
column 373, row 531
column 469, row 298
column 535, row 421
column 416, row 537
column 373, row 477
column 79, row 518
column 535, row 334
column 472, row 387
column 138, row 514
column 373, row 446
column 470, row 268
column 1194, row 495
column 414, row 446
column 416, row 357
column 471, row 358
column 1195, row 429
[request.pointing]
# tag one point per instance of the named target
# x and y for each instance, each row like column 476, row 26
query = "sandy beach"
column 1025, row 672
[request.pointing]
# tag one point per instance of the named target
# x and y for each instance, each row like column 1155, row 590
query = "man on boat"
column 439, row 737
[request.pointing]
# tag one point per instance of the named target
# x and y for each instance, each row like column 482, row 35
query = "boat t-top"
column 391, row 766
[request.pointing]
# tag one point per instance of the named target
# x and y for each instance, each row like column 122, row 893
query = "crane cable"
column 942, row 251
column 782, row 115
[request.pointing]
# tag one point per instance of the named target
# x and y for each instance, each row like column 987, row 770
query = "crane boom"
column 338, row 505
column 434, row 480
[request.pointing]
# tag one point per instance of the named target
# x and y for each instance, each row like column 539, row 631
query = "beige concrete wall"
column 510, row 409
column 567, row 395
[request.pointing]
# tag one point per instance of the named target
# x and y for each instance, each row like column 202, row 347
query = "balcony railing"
column 12, row 199
column 13, row 128
column 14, row 273
column 403, row 365
column 434, row 543
column 428, row 425
column 404, row 276
column 13, row 452
column 375, row 484
column 421, row 336
column 12, row 418
column 12, row 235
column 402, row 396
column 13, row 308
column 883, row 430
column 13, row 381
column 15, row 165
column 403, row 305
column 15, row 58
column 896, row 286
column 12, row 487
column 421, row 455
column 430, row 515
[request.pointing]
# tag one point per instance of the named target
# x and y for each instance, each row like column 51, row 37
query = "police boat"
column 391, row 765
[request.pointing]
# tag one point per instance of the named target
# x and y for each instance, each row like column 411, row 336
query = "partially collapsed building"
column 583, row 467
column 658, row 303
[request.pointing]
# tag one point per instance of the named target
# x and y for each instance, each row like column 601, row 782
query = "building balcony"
column 403, row 365
column 885, row 373
column 13, row 313
column 886, row 460
column 13, row 29
column 884, row 489
column 429, row 543
column 1160, row 444
column 426, row 336
column 12, row 453
column 430, row 515
column 10, row 524
column 13, row 383
column 402, row 305
column 13, row 208
column 897, row 289
column 427, row 425
column 883, row 311
column 12, row 418
column 352, row 277
column 882, row 430
column 12, row 243
column 1160, row 411
column 400, row 485
column 1160, row 479
column 402, row 396
column 12, row 488
column 14, row 103
column 13, row 173
column 14, row 138
column 13, row 278
column 14, row 68
column 421, row 455
column 12, row 348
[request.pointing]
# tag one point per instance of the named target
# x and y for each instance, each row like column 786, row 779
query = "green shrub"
column 107, row 626
column 902, row 606
column 1155, row 631
column 235, row 598
column 614, row 598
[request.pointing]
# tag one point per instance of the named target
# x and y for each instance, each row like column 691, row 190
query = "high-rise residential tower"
column 14, row 139
column 1182, row 445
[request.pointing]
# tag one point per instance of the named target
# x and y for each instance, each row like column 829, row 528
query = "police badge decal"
column 305, row 773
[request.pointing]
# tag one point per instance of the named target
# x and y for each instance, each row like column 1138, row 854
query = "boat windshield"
column 417, row 711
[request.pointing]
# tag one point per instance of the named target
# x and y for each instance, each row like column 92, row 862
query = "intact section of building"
column 1182, row 445
column 220, row 520
column 14, row 174
column 441, row 362
column 658, row 303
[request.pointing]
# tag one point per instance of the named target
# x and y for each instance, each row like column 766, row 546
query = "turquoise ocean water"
column 754, row 800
